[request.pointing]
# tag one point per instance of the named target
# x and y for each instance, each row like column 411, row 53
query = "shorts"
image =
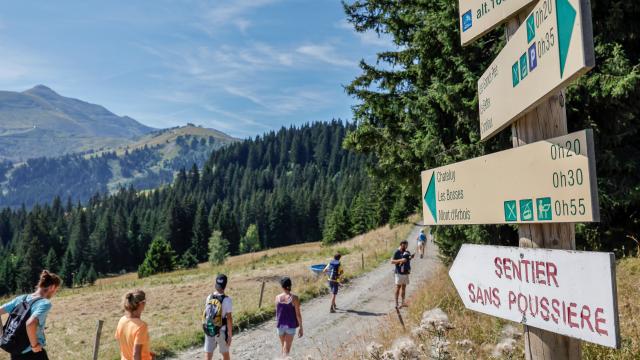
column 210, row 343
column 287, row 331
column 421, row 242
column 402, row 279
column 42, row 355
column 333, row 287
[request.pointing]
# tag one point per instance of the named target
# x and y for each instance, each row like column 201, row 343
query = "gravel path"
column 363, row 305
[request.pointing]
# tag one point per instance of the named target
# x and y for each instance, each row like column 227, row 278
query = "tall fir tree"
column 218, row 248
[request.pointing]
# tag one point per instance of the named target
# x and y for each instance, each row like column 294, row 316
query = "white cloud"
column 367, row 37
column 218, row 13
column 325, row 53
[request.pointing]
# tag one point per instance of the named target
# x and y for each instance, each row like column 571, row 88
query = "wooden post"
column 96, row 343
column 261, row 294
column 362, row 256
column 547, row 120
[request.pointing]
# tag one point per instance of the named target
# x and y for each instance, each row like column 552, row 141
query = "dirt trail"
column 363, row 307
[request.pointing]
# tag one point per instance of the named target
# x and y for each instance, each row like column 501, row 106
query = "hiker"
column 288, row 317
column 23, row 334
column 217, row 321
column 402, row 260
column 422, row 240
column 334, row 269
column 132, row 333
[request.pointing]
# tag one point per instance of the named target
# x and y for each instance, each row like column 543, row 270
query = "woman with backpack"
column 23, row 335
column 132, row 333
column 288, row 316
column 334, row 271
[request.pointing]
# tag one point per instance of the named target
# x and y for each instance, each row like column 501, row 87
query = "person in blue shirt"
column 422, row 240
column 47, row 288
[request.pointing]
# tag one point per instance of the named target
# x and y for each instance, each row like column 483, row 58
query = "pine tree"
column 68, row 268
column 201, row 234
column 250, row 242
column 188, row 260
column 51, row 261
column 81, row 278
column 337, row 227
column 218, row 248
column 31, row 257
column 91, row 276
column 160, row 258
column 359, row 215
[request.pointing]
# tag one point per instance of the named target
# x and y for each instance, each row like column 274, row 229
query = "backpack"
column 335, row 270
column 14, row 338
column 212, row 320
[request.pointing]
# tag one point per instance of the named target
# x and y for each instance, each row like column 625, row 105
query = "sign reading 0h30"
column 553, row 181
column 551, row 48
column 477, row 17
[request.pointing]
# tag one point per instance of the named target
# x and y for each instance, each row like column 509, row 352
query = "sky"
column 243, row 66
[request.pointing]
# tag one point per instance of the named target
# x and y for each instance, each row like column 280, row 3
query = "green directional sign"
column 553, row 47
column 551, row 181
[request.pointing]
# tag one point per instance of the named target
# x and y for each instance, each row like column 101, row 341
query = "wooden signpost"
column 477, row 17
column 553, row 47
column 566, row 292
column 548, row 181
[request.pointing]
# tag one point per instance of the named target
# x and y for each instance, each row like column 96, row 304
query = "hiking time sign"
column 477, row 17
column 548, row 181
column 552, row 48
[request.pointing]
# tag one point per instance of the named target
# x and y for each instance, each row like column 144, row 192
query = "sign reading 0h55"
column 477, row 17
column 553, row 180
column 551, row 48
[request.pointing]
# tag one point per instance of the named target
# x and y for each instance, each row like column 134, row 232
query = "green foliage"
column 160, row 258
column 189, row 260
column 92, row 276
column 337, row 227
column 418, row 109
column 218, row 248
column 250, row 242
column 51, row 261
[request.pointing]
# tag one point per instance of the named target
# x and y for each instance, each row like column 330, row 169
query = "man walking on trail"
column 217, row 321
column 334, row 271
column 402, row 260
column 422, row 240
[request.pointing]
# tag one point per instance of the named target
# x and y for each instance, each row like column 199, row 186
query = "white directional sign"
column 477, row 17
column 551, row 48
column 551, row 181
column 568, row 292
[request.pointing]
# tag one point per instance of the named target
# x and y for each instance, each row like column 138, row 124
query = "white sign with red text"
column 572, row 293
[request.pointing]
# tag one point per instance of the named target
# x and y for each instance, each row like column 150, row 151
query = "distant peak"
column 41, row 90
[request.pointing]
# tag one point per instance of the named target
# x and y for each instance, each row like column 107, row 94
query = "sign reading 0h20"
column 477, row 17
column 551, row 48
column 553, row 180
column 567, row 292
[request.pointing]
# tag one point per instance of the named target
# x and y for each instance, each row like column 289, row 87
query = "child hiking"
column 217, row 321
column 132, row 333
column 23, row 334
column 334, row 271
column 288, row 316
column 422, row 240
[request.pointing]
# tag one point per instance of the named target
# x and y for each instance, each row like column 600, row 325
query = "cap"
column 221, row 281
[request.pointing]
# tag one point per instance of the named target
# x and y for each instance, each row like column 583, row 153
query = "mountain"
column 40, row 122
column 146, row 163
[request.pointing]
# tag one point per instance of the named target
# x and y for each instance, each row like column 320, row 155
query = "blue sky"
column 242, row 66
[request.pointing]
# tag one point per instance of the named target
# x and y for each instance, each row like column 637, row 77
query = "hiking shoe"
column 332, row 310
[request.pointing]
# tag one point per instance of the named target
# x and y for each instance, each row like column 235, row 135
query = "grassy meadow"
column 175, row 300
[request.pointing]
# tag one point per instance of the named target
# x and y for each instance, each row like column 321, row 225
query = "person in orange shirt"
column 133, row 333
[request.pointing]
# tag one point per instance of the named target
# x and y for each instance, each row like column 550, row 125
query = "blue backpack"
column 334, row 270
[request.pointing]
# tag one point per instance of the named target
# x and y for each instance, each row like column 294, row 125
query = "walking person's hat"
column 221, row 281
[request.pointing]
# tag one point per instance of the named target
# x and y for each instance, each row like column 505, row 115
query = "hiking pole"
column 261, row 293
column 96, row 344
column 400, row 318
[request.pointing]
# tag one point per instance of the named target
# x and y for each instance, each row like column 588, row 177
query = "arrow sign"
column 553, row 47
column 551, row 181
column 568, row 292
column 477, row 17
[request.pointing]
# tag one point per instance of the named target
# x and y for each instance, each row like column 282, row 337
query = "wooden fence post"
column 96, row 343
column 547, row 120
column 261, row 294
column 362, row 256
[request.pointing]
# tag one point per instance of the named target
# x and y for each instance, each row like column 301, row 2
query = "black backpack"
column 14, row 338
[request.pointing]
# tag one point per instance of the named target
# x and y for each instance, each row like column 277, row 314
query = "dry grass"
column 175, row 300
column 485, row 331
